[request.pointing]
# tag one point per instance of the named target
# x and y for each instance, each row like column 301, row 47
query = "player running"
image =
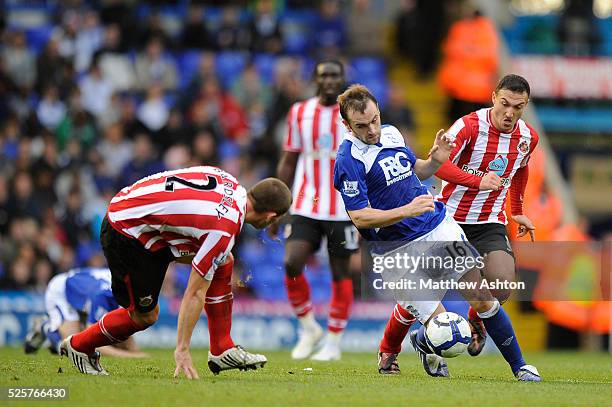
column 490, row 159
column 379, row 179
column 72, row 299
column 191, row 215
column 314, row 132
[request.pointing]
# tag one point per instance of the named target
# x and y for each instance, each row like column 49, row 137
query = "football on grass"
column 448, row 334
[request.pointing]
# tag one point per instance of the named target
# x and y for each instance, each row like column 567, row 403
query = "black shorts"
column 487, row 237
column 341, row 235
column 137, row 273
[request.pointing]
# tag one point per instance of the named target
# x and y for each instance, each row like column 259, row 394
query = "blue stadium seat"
column 230, row 65
column 38, row 37
column 265, row 64
column 296, row 30
column 187, row 65
column 369, row 67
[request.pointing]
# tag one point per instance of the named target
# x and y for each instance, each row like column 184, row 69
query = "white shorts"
column 56, row 304
column 437, row 260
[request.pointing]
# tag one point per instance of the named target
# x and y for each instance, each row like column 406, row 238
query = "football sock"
column 308, row 321
column 298, row 292
column 218, row 306
column 396, row 330
column 473, row 315
column 54, row 337
column 114, row 327
column 340, row 306
column 500, row 329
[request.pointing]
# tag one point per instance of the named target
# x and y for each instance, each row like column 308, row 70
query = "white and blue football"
column 448, row 334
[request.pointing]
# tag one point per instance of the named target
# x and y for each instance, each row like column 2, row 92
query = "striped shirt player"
column 191, row 215
column 314, row 133
column 490, row 162
column 195, row 212
column 481, row 148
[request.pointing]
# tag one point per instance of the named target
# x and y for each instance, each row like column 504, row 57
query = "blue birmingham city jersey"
column 82, row 285
column 381, row 176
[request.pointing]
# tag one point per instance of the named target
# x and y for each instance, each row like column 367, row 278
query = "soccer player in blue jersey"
column 77, row 297
column 379, row 179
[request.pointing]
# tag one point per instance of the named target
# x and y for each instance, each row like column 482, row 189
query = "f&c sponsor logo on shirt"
column 394, row 169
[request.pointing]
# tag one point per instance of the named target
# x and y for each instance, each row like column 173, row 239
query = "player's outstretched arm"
column 191, row 308
column 438, row 155
column 370, row 218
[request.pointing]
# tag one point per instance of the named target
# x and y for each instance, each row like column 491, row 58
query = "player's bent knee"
column 146, row 319
column 501, row 295
column 293, row 268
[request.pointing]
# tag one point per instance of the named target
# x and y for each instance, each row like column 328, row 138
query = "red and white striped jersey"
column 195, row 211
column 481, row 148
column 315, row 131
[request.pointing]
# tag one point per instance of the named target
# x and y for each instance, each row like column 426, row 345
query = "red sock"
column 298, row 292
column 114, row 327
column 341, row 301
column 473, row 315
column 396, row 330
column 218, row 306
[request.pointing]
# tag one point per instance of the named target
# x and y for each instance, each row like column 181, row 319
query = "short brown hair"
column 270, row 195
column 355, row 98
column 513, row 83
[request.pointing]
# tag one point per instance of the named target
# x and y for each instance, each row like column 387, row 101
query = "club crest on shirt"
column 498, row 165
column 523, row 146
column 350, row 188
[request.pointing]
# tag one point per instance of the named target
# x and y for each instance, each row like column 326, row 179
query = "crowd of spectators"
column 106, row 99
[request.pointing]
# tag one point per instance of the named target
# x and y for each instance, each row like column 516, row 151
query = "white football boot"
column 330, row 350
column 88, row 364
column 235, row 358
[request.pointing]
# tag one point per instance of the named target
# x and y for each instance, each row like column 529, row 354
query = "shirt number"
column 209, row 186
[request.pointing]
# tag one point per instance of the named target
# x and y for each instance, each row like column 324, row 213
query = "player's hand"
column 491, row 181
column 420, row 205
column 184, row 364
column 443, row 145
column 525, row 226
column 273, row 229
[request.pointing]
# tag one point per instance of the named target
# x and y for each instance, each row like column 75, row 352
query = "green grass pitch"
column 569, row 379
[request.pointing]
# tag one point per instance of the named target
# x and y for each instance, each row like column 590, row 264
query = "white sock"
column 308, row 322
column 333, row 338
column 488, row 314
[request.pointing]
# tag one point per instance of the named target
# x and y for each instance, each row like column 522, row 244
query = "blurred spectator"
column 469, row 68
column 66, row 33
column 4, row 214
column 154, row 29
column 176, row 131
column 96, row 91
column 205, row 148
column 20, row 61
column 78, row 125
column 207, row 68
column 18, row 277
column 53, row 69
column 121, row 14
column 232, row 35
column 153, row 112
column 397, row 113
column 88, row 40
column 22, row 202
column 265, row 29
column 250, row 88
column 365, row 32
column 215, row 103
column 143, row 163
column 43, row 271
column 152, row 67
column 44, row 171
column 114, row 64
column 577, row 29
column 114, row 150
column 195, row 33
column 51, row 110
column 419, row 30
column 71, row 219
column 330, row 38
